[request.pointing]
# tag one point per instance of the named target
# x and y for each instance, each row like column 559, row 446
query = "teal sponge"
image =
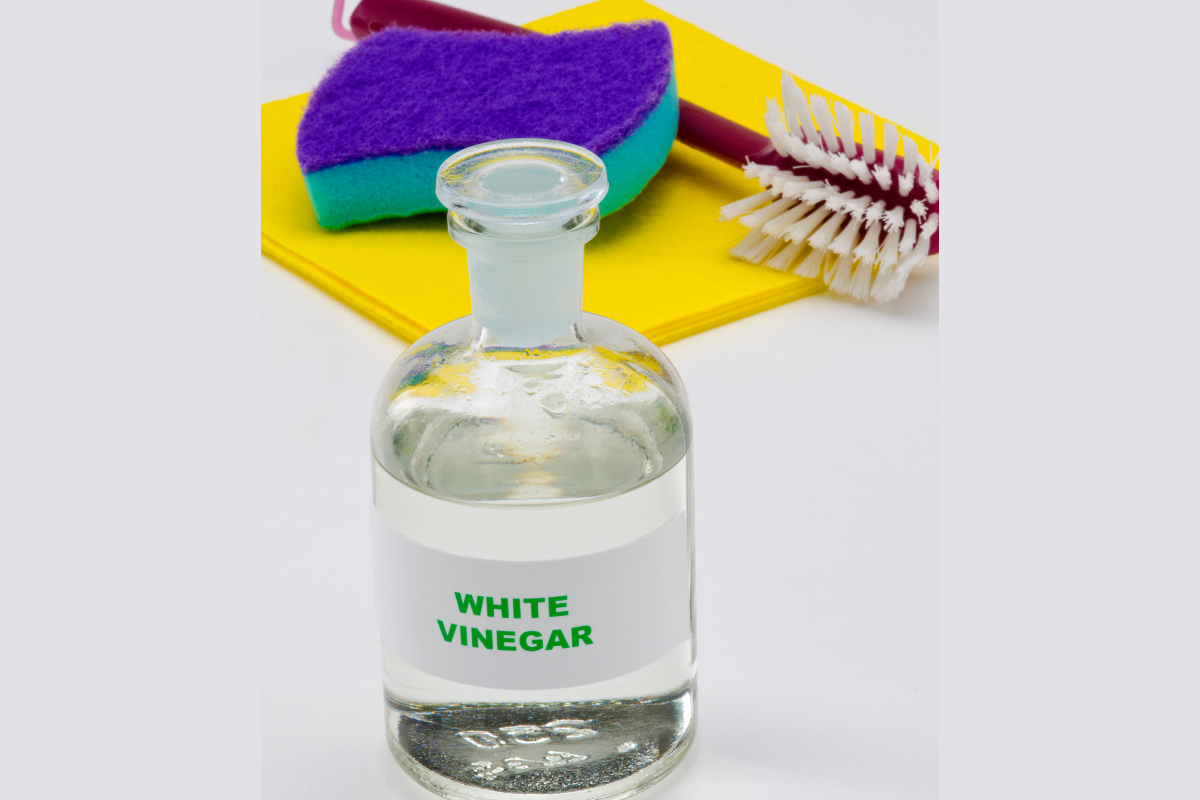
column 402, row 100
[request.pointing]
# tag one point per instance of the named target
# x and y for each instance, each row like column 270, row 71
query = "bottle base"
column 597, row 750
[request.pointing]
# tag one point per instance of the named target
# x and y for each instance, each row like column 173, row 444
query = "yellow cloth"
column 660, row 265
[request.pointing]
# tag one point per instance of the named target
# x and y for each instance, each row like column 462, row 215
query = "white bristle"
column 842, row 164
column 930, row 227
column 838, row 277
column 860, row 284
column 909, row 238
column 924, row 169
column 824, row 235
column 779, row 179
column 911, row 154
column 795, row 146
column 910, row 262
column 763, row 173
column 748, row 243
column 797, row 150
column 845, row 122
column 803, row 113
column 907, row 264
column 837, row 202
column 766, row 175
column 906, row 184
column 890, row 137
column 810, row 267
column 857, row 207
column 820, row 109
column 745, row 205
column 784, row 258
column 763, row 250
column 893, row 220
column 776, row 130
column 813, row 154
column 882, row 177
column 808, row 124
column 775, row 227
column 756, row 172
column 866, row 123
column 883, row 280
column 859, row 168
column 798, row 187
column 758, row 218
column 889, row 251
column 819, row 194
column 869, row 246
column 794, row 105
column 918, row 209
column 922, row 165
column 800, row 231
column 846, row 240
column 788, row 90
column 931, row 191
column 875, row 212
column 888, row 255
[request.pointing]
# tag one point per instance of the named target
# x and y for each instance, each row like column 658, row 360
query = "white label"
column 547, row 624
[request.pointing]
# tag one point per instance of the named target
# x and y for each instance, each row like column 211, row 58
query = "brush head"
column 402, row 100
column 861, row 218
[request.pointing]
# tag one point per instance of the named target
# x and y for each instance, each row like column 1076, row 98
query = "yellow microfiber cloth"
column 660, row 265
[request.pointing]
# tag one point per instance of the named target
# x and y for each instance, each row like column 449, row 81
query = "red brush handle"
column 698, row 127
column 721, row 138
column 375, row 15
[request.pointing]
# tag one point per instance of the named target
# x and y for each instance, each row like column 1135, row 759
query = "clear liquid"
column 535, row 455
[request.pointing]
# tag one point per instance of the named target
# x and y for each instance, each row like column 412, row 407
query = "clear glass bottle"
column 533, row 511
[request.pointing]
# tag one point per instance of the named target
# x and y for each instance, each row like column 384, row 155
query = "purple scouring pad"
column 402, row 100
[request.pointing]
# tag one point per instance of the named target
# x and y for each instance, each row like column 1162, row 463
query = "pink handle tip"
column 339, row 7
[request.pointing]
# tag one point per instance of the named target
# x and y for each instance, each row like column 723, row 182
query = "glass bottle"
column 532, row 522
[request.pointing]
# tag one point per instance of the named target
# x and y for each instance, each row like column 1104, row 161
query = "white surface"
column 816, row 535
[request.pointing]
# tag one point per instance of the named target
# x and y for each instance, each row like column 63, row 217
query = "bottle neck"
column 526, row 290
column 526, row 298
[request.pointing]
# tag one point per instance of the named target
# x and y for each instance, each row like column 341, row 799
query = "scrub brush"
column 861, row 218
column 833, row 208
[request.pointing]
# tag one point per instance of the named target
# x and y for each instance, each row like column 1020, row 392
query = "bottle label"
column 547, row 624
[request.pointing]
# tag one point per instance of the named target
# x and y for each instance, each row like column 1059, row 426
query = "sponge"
column 402, row 100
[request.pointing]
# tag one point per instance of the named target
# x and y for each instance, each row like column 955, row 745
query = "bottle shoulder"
column 595, row 414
